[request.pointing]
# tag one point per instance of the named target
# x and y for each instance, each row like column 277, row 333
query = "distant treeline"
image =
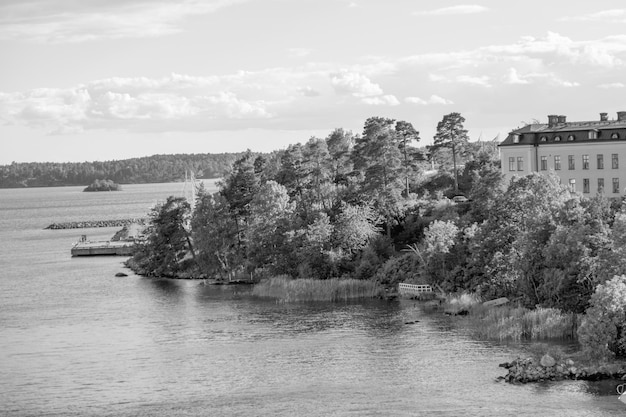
column 150, row 169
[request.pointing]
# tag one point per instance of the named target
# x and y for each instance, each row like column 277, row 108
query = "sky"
column 95, row 80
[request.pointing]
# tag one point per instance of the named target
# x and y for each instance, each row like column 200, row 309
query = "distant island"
column 149, row 169
column 103, row 185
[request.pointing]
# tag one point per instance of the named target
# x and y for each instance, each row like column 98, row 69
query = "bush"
column 403, row 268
column 602, row 333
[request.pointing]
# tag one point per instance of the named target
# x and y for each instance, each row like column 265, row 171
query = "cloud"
column 514, row 78
column 355, row 84
column 386, row 100
column 604, row 16
column 433, row 99
column 612, row 85
column 308, row 91
column 61, row 21
column 453, row 10
column 299, row 52
column 482, row 81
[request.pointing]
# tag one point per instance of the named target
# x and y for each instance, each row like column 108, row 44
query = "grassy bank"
column 290, row 290
column 515, row 323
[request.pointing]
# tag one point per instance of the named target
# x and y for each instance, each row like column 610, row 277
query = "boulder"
column 547, row 361
column 121, row 274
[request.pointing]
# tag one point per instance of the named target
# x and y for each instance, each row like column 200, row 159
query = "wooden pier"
column 88, row 248
column 415, row 291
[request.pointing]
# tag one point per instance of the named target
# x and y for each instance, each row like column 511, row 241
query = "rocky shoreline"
column 548, row 369
column 95, row 223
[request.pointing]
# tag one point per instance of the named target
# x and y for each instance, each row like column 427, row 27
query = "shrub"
column 403, row 268
column 602, row 333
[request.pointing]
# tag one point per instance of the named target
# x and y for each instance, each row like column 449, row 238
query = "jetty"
column 107, row 247
column 122, row 243
column 415, row 290
column 85, row 224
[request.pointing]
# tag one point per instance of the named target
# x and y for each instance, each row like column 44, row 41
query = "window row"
column 586, row 185
column 517, row 163
column 592, row 134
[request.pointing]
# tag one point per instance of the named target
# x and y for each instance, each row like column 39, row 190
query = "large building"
column 588, row 156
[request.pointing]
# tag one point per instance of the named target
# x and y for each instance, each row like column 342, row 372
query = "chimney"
column 621, row 116
column 561, row 120
column 552, row 120
column 604, row 117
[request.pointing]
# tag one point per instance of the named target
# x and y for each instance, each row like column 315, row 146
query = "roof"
column 529, row 134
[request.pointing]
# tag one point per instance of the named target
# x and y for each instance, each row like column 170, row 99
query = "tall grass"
column 517, row 323
column 297, row 290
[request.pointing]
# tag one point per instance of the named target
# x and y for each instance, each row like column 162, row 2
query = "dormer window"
column 515, row 138
column 615, row 135
column 571, row 138
column 543, row 138
column 557, row 138
column 593, row 134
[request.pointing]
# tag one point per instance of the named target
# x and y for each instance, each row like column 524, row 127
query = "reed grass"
column 289, row 290
column 517, row 323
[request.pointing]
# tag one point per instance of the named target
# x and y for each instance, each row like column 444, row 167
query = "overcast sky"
column 112, row 79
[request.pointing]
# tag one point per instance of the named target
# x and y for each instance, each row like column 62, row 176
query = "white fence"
column 413, row 289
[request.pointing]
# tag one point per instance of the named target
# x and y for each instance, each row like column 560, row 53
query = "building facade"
column 588, row 156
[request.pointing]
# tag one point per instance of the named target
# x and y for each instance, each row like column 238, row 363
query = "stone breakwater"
column 96, row 223
column 548, row 369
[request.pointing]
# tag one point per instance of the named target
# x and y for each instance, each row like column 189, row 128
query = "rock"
column 121, row 274
column 569, row 362
column 547, row 361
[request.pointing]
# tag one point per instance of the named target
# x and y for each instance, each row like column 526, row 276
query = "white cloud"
column 433, row 99
column 355, row 84
column 482, row 81
column 454, row 10
column 612, row 85
column 299, row 52
column 386, row 100
column 514, row 78
column 60, row 21
column 604, row 16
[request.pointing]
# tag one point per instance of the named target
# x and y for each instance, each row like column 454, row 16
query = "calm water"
column 76, row 340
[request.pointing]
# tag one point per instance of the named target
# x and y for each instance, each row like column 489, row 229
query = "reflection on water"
column 76, row 340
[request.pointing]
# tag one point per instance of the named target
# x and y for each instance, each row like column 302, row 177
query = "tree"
column 451, row 134
column 602, row 333
column 407, row 134
column 271, row 217
column 214, row 233
column 168, row 241
column 377, row 155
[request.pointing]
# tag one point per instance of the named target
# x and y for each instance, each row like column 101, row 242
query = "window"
column 557, row 138
column 571, row 138
column 600, row 185
column 515, row 138
column 600, row 161
column 614, row 161
column 543, row 139
column 593, row 134
column 544, row 163
column 511, row 163
column 585, row 161
column 572, row 185
column 615, row 135
column 616, row 185
column 520, row 163
column 557, row 162
column 585, row 185
column 570, row 162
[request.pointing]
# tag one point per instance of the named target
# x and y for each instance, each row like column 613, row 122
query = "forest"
column 367, row 207
column 150, row 169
